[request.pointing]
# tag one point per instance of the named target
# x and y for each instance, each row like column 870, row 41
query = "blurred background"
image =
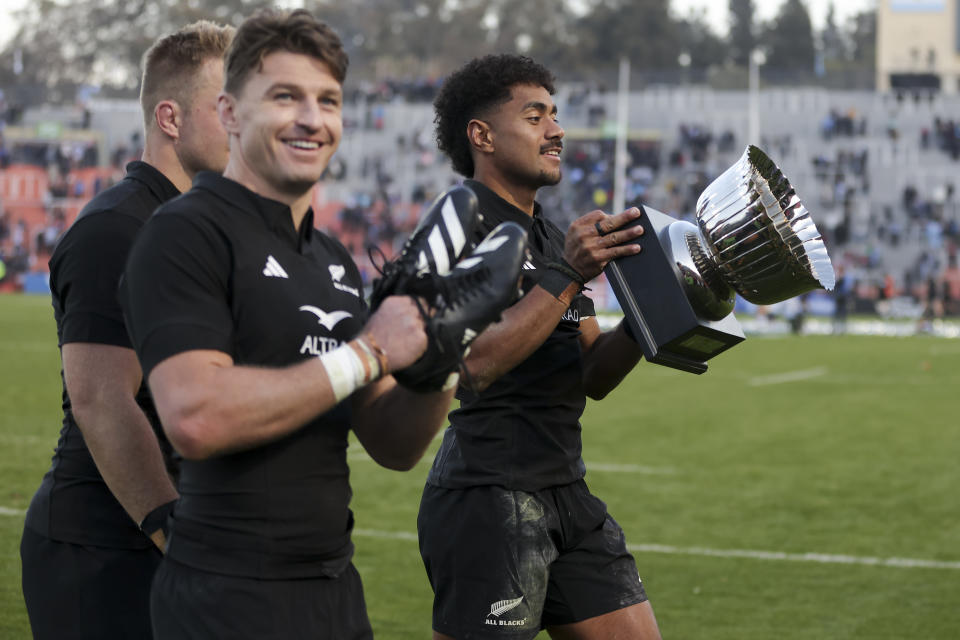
column 857, row 101
column 803, row 488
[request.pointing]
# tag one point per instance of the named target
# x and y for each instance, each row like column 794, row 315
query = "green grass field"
column 843, row 448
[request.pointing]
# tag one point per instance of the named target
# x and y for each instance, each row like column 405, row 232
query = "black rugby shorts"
column 188, row 603
column 79, row 592
column 504, row 564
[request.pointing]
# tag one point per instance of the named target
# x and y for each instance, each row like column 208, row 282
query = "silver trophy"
column 754, row 237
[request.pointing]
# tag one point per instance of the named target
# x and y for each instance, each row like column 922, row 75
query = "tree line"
column 61, row 46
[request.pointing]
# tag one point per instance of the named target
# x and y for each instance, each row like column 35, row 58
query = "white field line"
column 32, row 347
column 789, row 376
column 27, row 439
column 944, row 349
column 819, row 558
column 629, row 468
column 388, row 535
column 359, row 455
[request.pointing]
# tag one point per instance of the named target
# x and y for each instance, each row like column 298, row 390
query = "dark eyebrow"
column 297, row 89
column 539, row 106
column 284, row 85
column 337, row 92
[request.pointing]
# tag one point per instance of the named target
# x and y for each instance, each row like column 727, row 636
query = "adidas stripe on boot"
column 466, row 301
column 434, row 247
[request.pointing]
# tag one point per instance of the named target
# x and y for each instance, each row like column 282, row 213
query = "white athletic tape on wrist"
column 345, row 371
column 373, row 365
column 451, row 382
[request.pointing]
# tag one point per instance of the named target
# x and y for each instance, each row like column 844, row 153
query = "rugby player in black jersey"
column 255, row 339
column 87, row 567
column 512, row 539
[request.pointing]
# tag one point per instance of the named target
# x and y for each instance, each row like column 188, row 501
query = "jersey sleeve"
column 174, row 292
column 84, row 275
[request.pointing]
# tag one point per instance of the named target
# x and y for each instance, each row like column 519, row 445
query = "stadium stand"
column 877, row 170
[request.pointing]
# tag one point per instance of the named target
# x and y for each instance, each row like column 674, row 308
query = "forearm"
column 608, row 360
column 395, row 425
column 127, row 454
column 210, row 407
column 590, row 243
column 523, row 328
column 102, row 382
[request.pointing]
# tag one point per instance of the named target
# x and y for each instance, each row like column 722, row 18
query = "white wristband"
column 345, row 371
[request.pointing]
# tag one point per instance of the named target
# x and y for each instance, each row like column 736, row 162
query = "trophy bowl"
column 753, row 237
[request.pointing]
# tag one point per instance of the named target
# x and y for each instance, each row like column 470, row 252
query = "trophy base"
column 668, row 329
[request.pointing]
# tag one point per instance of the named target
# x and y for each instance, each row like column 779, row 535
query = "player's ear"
column 480, row 135
column 167, row 117
column 227, row 111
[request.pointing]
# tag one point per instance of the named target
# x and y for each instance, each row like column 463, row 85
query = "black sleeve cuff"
column 558, row 277
column 158, row 519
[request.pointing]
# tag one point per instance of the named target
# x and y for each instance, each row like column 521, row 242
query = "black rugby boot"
column 440, row 239
column 471, row 297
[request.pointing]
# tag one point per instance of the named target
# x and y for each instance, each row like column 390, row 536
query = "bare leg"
column 635, row 622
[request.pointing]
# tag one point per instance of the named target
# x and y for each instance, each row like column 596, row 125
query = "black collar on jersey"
column 275, row 214
column 158, row 184
column 497, row 210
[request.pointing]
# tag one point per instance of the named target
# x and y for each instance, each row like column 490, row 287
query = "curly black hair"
column 469, row 92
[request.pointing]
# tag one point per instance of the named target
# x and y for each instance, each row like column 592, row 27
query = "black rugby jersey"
column 523, row 431
column 73, row 503
column 223, row 268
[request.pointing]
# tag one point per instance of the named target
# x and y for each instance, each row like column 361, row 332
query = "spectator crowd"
column 372, row 194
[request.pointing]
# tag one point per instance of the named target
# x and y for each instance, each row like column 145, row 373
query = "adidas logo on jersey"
column 528, row 266
column 273, row 269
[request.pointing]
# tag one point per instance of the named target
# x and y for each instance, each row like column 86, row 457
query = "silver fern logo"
column 500, row 607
